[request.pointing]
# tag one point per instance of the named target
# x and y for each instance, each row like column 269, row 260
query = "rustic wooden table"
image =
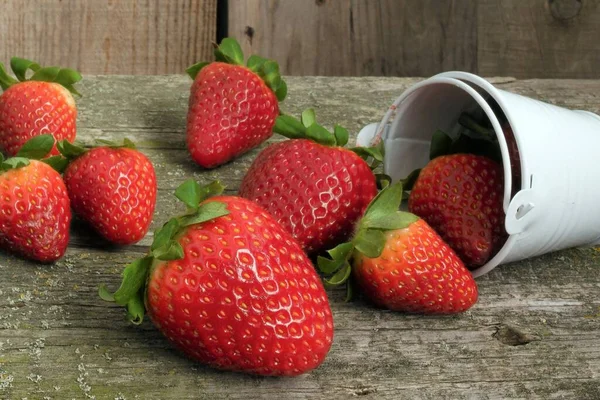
column 535, row 332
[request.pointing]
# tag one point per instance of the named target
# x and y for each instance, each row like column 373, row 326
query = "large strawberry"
column 460, row 196
column 312, row 185
column 230, row 288
column 40, row 104
column 113, row 188
column 400, row 263
column 232, row 106
column 35, row 214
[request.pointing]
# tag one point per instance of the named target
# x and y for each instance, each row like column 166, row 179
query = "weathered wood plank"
column 541, row 38
column 108, row 36
column 359, row 37
column 59, row 341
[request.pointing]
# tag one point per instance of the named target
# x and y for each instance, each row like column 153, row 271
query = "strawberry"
column 228, row 286
column 41, row 104
column 460, row 196
column 232, row 107
column 314, row 187
column 35, row 214
column 400, row 263
column 113, row 188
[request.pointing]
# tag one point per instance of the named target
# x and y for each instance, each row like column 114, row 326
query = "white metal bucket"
column 557, row 204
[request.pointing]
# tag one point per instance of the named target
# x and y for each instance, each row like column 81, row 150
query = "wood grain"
column 534, row 334
column 359, row 37
column 524, row 39
column 539, row 38
column 109, row 36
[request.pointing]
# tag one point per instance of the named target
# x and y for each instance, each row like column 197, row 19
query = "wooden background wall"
column 109, row 36
column 520, row 38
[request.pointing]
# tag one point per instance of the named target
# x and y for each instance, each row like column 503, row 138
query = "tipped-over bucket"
column 555, row 204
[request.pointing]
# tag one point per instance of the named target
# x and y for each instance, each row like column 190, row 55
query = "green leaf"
column 339, row 255
column 20, row 66
column 398, row 220
column 385, row 203
column 6, row 80
column 383, row 181
column 370, row 242
column 471, row 124
column 341, row 276
column 1, row 158
column 46, row 74
column 411, row 179
column 289, row 127
column 341, row 135
column 255, row 62
column 320, row 135
column 195, row 69
column 58, row 163
column 128, row 144
column 136, row 308
column 343, row 250
column 269, row 72
column 215, row 188
column 67, row 78
column 172, row 251
column 190, row 193
column 165, row 234
column 105, row 294
column 14, row 163
column 440, row 144
column 134, row 277
column 308, row 117
column 366, row 152
column 281, row 91
column 349, row 290
column 69, row 150
column 229, row 51
column 206, row 212
column 37, row 147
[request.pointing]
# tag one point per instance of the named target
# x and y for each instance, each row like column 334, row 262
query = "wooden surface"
column 534, row 334
column 109, row 36
column 534, row 38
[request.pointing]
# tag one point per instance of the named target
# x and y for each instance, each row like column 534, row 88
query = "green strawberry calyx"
column 230, row 52
column 69, row 151
column 165, row 246
column 307, row 128
column 383, row 214
column 35, row 148
column 22, row 67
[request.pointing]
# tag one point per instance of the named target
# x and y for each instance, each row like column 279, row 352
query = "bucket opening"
column 438, row 104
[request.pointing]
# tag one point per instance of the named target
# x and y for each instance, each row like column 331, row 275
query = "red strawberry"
column 232, row 107
column 231, row 288
column 35, row 214
column 460, row 196
column 317, row 191
column 42, row 104
column 113, row 188
column 400, row 263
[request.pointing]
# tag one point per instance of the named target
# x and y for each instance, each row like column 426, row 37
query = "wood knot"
column 564, row 10
column 319, row 2
column 249, row 32
column 513, row 336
